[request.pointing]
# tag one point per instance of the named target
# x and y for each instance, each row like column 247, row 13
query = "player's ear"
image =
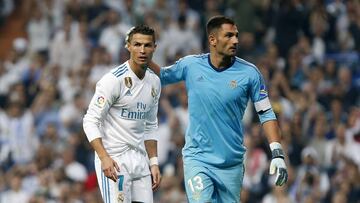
column 212, row 40
column 127, row 45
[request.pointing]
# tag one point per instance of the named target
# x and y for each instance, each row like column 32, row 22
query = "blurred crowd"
column 307, row 50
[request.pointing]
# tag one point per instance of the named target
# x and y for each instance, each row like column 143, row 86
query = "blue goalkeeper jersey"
column 217, row 99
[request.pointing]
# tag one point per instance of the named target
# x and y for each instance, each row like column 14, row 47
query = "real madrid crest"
column 121, row 197
column 233, row 84
column 153, row 92
column 128, row 82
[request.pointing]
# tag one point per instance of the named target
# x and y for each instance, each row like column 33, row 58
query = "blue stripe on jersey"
column 103, row 186
column 118, row 69
column 121, row 182
column 108, row 189
column 121, row 73
column 121, row 70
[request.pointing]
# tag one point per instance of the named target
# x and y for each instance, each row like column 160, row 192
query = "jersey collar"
column 133, row 74
column 220, row 69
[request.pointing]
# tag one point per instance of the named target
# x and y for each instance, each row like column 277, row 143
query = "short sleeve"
column 173, row 73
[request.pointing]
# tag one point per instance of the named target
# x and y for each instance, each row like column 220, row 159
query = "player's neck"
column 137, row 69
column 220, row 61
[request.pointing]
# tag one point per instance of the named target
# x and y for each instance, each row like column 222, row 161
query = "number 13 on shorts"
column 196, row 184
column 199, row 188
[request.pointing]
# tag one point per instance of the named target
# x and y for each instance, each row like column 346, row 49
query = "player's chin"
column 142, row 62
column 232, row 52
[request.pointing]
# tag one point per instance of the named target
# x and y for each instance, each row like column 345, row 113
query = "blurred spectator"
column 192, row 17
column 15, row 193
column 19, row 140
column 38, row 31
column 6, row 7
column 278, row 195
column 311, row 182
column 339, row 148
column 71, row 113
column 318, row 140
column 289, row 18
column 255, row 165
column 67, row 49
column 113, row 35
column 187, row 41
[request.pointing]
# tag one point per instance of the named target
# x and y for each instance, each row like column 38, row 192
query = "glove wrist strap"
column 277, row 153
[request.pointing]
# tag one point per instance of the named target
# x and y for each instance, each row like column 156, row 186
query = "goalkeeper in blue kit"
column 219, row 85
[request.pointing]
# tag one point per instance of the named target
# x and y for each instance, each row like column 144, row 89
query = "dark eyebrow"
column 232, row 33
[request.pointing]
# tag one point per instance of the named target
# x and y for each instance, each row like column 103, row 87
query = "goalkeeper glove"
column 278, row 164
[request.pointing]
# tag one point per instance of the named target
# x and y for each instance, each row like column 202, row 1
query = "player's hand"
column 155, row 176
column 278, row 164
column 109, row 167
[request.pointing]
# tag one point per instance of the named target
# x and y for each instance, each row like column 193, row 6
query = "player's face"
column 141, row 48
column 226, row 40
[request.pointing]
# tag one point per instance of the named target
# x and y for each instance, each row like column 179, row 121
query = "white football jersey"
column 123, row 110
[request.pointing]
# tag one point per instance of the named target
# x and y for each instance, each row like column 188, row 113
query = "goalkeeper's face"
column 141, row 48
column 226, row 40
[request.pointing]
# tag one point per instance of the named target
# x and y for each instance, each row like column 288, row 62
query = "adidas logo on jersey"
column 201, row 78
column 128, row 93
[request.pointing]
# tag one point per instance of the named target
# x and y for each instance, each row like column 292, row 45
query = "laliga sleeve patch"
column 263, row 91
column 100, row 101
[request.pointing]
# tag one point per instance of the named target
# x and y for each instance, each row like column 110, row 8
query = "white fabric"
column 76, row 171
column 38, row 31
column 14, row 196
column 125, row 114
column 113, row 38
column 275, row 165
column 69, row 53
column 262, row 105
column 17, row 137
column 136, row 185
column 154, row 161
column 275, row 145
column 187, row 41
column 183, row 116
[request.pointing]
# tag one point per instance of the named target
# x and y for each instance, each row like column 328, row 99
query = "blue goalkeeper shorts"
column 208, row 184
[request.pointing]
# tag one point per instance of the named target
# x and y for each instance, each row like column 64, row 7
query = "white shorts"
column 133, row 183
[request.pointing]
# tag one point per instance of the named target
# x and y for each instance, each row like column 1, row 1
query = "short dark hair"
column 140, row 29
column 215, row 22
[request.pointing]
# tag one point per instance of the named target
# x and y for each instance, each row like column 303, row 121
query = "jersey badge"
column 153, row 92
column 100, row 102
column 263, row 91
column 233, row 84
column 120, row 197
column 128, row 82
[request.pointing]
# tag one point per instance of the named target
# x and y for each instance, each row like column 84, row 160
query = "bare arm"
column 108, row 165
column 272, row 131
column 151, row 149
column 154, row 67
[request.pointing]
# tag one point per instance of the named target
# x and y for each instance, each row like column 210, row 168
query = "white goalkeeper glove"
column 278, row 164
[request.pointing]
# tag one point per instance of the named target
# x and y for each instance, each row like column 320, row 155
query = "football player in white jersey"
column 119, row 123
